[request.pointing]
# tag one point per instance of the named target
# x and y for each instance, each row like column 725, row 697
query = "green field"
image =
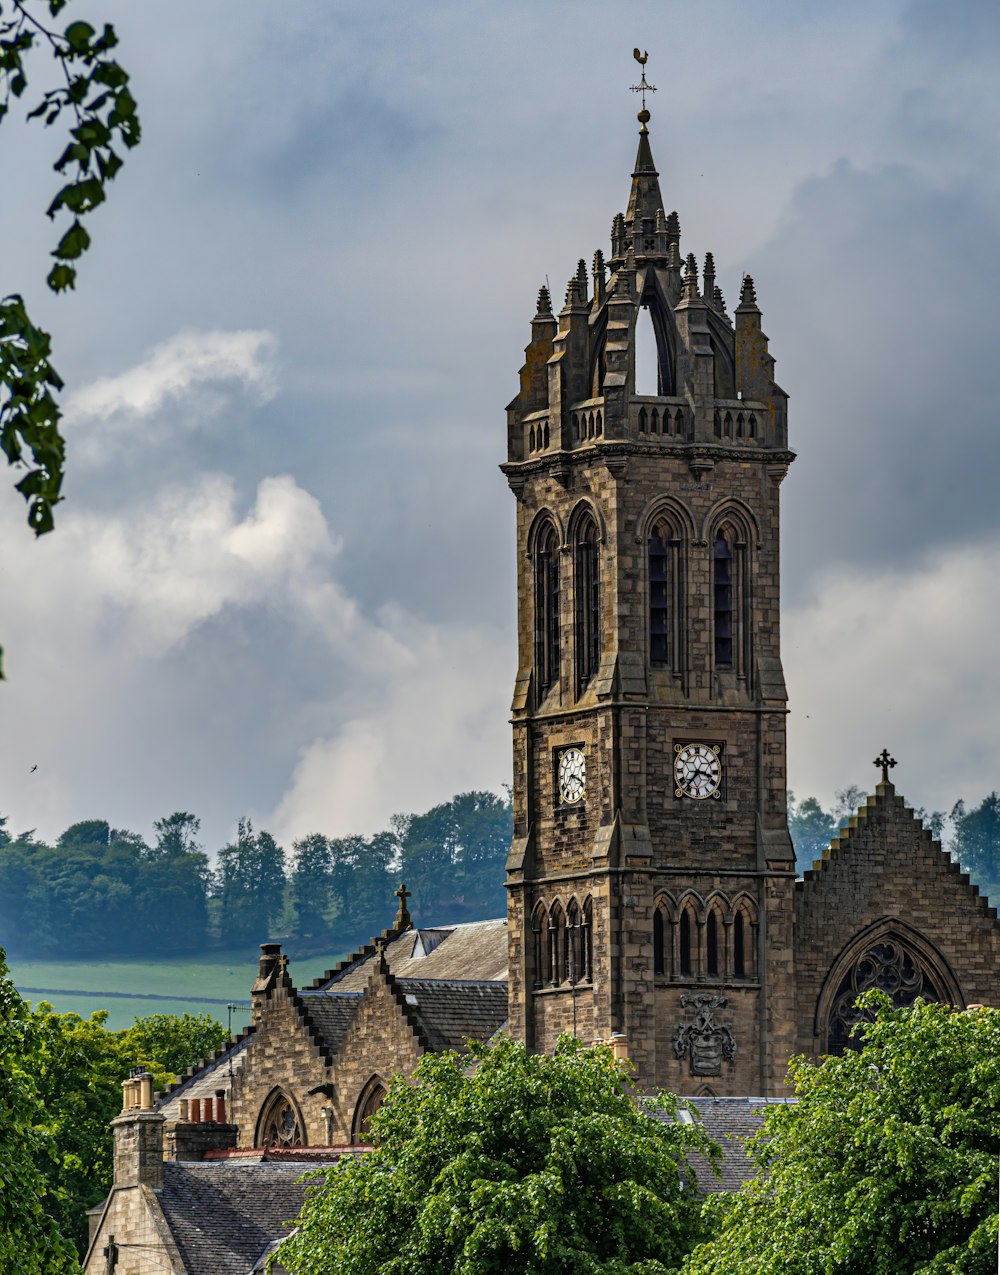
column 131, row 989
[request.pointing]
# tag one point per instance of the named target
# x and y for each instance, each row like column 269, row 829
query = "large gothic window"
column 588, row 601
column 546, row 608
column 888, row 964
column 665, row 619
column 540, row 932
column 731, row 601
column 279, row 1123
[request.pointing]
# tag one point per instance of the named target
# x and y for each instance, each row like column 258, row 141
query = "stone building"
column 652, row 892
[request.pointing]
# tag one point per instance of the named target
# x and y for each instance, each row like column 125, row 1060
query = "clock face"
column 572, row 776
column 697, row 771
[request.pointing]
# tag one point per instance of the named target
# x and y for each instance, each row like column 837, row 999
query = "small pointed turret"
column 691, row 278
column 709, row 278
column 748, row 295
column 598, row 273
column 644, row 198
column 581, row 279
column 544, row 310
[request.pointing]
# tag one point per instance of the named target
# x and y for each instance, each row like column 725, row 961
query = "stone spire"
column 644, row 198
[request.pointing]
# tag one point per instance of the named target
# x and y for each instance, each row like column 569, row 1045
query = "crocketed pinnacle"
column 544, row 304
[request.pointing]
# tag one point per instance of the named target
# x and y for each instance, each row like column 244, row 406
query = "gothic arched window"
column 744, row 939
column 890, row 964
column 372, row 1097
column 557, row 944
column 587, row 942
column 546, row 608
column 665, row 619
column 540, row 933
column 279, row 1123
column 659, row 957
column 713, row 934
column 588, row 601
column 687, row 932
column 731, row 600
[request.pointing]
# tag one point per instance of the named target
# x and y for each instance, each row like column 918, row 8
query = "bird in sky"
column 33, row 769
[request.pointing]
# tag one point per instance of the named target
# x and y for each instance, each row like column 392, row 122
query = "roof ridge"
column 388, row 935
column 203, row 1065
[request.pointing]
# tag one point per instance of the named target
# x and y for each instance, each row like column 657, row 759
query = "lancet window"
column 716, row 941
column 546, row 556
column 588, row 600
column 731, row 600
column 665, row 618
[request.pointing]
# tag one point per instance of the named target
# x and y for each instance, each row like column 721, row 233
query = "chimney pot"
column 196, row 1110
column 220, row 1106
column 146, row 1091
column 184, row 1104
column 619, row 1045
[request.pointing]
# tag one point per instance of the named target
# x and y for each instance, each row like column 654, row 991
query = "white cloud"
column 213, row 363
column 902, row 659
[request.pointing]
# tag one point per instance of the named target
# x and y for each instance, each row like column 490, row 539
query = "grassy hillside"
column 131, row 989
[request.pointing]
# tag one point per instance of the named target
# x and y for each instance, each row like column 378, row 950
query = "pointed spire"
column 581, row 279
column 719, row 299
column 691, row 278
column 644, row 197
column 544, row 304
column 598, row 273
column 748, row 294
column 709, row 277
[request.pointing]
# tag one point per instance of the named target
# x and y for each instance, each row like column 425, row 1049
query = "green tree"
column 520, row 1163
column 249, row 885
column 172, row 885
column 311, row 889
column 363, row 871
column 175, row 1041
column 93, row 93
column 976, row 841
column 452, row 857
column 30, row 1240
column 811, row 830
column 886, row 1164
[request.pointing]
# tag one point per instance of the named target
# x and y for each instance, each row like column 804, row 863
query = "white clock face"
column 572, row 776
column 697, row 771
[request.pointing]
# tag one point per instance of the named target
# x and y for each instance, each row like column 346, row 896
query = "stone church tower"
column 651, row 876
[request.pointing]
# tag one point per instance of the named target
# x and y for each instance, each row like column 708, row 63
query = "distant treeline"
column 105, row 891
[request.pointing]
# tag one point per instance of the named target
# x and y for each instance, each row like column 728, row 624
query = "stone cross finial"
column 403, row 918
column 886, row 762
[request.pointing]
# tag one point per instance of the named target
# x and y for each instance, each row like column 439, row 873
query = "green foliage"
column 30, row 1241
column 75, row 1068
column 811, row 830
column 521, row 1163
column 250, row 884
column 93, row 95
column 976, row 841
column 887, row 1163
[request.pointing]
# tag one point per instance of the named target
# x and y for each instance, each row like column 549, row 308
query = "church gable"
column 886, row 907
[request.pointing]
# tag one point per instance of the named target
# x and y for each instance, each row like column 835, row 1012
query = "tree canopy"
column 519, row 1162
column 887, row 1162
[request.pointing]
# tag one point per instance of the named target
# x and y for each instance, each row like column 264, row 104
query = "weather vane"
column 642, row 87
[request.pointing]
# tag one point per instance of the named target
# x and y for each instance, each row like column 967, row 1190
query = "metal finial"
column 885, row 761
column 642, row 87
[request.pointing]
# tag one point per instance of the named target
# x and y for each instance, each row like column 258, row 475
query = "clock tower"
column 651, row 874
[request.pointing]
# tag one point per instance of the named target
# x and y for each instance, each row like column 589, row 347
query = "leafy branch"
column 94, row 94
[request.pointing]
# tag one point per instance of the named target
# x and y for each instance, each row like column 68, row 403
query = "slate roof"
column 730, row 1122
column 202, row 1080
column 224, row 1215
column 476, row 951
column 452, row 1011
column 331, row 1014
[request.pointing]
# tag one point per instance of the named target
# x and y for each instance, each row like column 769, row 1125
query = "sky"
column 282, row 580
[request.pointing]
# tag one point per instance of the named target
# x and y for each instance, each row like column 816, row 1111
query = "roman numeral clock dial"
column 572, row 776
column 698, row 771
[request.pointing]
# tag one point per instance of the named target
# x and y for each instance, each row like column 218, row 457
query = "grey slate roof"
column 331, row 1013
column 451, row 1011
column 477, row 951
column 203, row 1080
column 730, row 1122
column 223, row 1214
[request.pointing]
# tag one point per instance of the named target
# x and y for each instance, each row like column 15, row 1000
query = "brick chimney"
column 138, row 1134
column 201, row 1127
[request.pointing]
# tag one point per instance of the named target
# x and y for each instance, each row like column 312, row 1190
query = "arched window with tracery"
column 540, row 952
column 587, row 588
column 546, row 557
column 890, row 963
column 372, row 1097
column 280, row 1122
column 666, row 621
column 731, row 600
